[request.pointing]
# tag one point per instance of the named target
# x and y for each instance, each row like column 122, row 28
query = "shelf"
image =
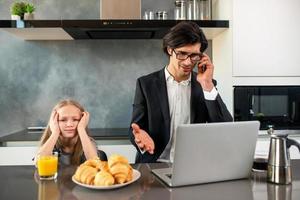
column 102, row 29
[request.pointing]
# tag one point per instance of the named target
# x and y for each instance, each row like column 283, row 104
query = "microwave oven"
column 277, row 106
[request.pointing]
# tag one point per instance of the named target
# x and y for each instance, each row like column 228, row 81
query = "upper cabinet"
column 266, row 38
column 102, row 29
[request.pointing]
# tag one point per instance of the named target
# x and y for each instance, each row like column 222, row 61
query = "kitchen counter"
column 20, row 182
column 96, row 133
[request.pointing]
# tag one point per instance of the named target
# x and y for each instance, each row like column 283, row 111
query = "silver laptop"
column 211, row 152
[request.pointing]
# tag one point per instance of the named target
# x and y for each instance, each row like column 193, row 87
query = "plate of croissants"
column 104, row 175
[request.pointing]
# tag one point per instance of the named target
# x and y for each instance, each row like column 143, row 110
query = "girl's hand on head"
column 53, row 123
column 83, row 121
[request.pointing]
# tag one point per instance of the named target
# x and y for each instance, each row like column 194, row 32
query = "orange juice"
column 47, row 165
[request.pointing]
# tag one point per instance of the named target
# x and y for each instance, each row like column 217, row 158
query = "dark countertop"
column 96, row 133
column 20, row 182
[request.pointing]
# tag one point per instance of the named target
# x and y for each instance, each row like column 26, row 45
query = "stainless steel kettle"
column 279, row 164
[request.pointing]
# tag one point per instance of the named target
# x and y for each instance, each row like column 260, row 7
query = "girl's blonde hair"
column 78, row 152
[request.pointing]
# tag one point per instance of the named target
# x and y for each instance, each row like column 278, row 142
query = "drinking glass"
column 47, row 166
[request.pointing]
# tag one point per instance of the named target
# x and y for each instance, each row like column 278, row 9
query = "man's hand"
column 142, row 139
column 205, row 78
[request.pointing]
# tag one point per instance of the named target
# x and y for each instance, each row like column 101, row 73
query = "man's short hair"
column 184, row 33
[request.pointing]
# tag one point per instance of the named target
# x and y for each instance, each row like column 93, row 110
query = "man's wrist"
column 207, row 85
column 212, row 95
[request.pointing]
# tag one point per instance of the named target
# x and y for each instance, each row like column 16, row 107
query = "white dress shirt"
column 180, row 111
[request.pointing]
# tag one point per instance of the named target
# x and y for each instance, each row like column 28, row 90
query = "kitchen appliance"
column 279, row 164
column 278, row 106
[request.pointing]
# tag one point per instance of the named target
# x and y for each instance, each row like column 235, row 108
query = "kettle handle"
column 290, row 142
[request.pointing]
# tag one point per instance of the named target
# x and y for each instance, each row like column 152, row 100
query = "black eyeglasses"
column 184, row 55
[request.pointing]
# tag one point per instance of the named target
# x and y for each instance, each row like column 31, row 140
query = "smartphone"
column 202, row 69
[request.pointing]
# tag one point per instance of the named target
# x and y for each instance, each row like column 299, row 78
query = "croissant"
column 85, row 174
column 95, row 163
column 104, row 178
column 119, row 168
column 79, row 171
column 88, row 175
column 103, row 166
column 130, row 174
column 102, row 173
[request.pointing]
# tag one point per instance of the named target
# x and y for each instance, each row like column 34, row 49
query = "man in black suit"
column 175, row 95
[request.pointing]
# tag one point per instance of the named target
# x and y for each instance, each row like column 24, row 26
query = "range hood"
column 101, row 29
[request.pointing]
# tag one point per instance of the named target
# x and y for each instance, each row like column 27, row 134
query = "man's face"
column 183, row 67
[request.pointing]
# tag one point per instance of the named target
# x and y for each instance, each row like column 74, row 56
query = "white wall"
column 222, row 53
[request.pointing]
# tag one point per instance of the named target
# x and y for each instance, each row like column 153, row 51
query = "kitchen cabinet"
column 266, row 39
column 109, row 140
column 10, row 155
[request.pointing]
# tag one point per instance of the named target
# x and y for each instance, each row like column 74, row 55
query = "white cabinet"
column 266, row 38
column 17, row 155
column 22, row 155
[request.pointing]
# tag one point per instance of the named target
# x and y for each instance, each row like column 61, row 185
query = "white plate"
column 135, row 176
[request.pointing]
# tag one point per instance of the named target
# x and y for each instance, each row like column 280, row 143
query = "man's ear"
column 170, row 50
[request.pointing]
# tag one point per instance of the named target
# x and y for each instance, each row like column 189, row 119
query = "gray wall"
column 100, row 74
column 57, row 9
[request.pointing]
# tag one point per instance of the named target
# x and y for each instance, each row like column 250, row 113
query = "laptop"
column 211, row 152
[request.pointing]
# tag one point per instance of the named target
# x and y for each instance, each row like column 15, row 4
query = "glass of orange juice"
column 47, row 166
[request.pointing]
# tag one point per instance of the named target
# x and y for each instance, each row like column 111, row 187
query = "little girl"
column 67, row 134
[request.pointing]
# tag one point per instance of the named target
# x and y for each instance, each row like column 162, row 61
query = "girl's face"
column 68, row 119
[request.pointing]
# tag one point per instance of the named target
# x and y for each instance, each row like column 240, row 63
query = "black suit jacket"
column 151, row 111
